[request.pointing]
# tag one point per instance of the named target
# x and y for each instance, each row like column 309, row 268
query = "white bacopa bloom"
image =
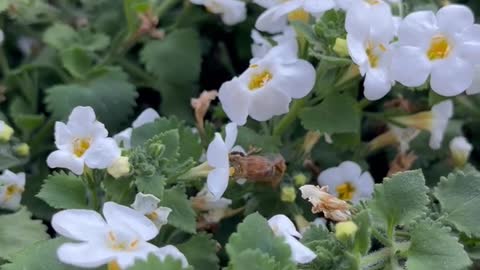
column 82, row 141
column 370, row 18
column 147, row 204
column 267, row 87
column 119, row 238
column 278, row 13
column 434, row 121
column 461, row 150
column 231, row 11
column 283, row 227
column 218, row 158
column 124, row 138
column 475, row 87
column 347, row 182
column 12, row 186
column 444, row 46
column 261, row 46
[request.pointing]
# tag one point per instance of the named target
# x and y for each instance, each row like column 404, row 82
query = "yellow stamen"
column 373, row 2
column 11, row 191
column 439, row 48
column 80, row 146
column 231, row 171
column 372, row 57
column 346, row 191
column 113, row 266
column 299, row 15
column 259, row 80
column 152, row 216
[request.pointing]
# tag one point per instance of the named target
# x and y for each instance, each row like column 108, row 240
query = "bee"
column 256, row 168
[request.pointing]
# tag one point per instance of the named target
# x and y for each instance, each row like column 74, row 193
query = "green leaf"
column 249, row 138
column 182, row 215
column 64, row 191
column 154, row 185
column 77, row 62
column 459, row 197
column 60, row 36
column 119, row 190
column 132, row 9
column 400, row 199
column 362, row 238
column 39, row 256
column 255, row 233
column 153, row 262
column 336, row 114
column 7, row 158
column 200, row 251
column 253, row 259
column 18, row 231
column 108, row 92
column 433, row 247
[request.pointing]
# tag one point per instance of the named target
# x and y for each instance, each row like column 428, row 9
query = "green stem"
column 165, row 6
column 288, row 119
column 4, row 62
column 92, row 186
column 380, row 237
column 136, row 71
column 375, row 260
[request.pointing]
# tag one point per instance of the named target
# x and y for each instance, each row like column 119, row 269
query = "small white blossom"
column 278, row 13
column 267, row 87
column 347, row 182
column 283, row 227
column 218, row 158
column 120, row 237
column 261, row 46
column 231, row 11
column 461, row 150
column 147, row 204
column 442, row 46
column 12, row 186
column 82, row 142
column 147, row 116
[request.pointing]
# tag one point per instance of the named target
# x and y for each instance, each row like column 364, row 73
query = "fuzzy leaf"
column 248, row 138
column 459, row 197
column 253, row 259
column 200, row 251
column 362, row 238
column 400, row 199
column 336, row 114
column 433, row 247
column 108, row 92
column 154, row 185
column 18, row 231
column 182, row 215
column 119, row 190
column 154, row 262
column 255, row 233
column 64, row 191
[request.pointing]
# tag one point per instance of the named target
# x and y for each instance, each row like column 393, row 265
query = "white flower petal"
column 357, row 49
column 300, row 253
column 377, row 84
column 127, row 259
column 145, row 203
column 123, row 138
column 451, row 76
column 417, row 29
column 410, row 66
column 453, row 19
column 231, row 132
column 217, row 182
column 282, row 225
column 63, row 135
column 332, row 178
column 102, row 153
column 147, row 116
column 217, row 153
column 274, row 19
column 350, row 170
column 8, row 177
column 162, row 214
column 469, row 46
column 119, row 215
column 267, row 103
column 12, row 203
column 81, row 225
column 365, row 185
column 235, row 11
column 315, row 6
column 475, row 87
column 81, row 114
column 86, row 255
column 296, row 80
column 235, row 100
column 171, row 251
column 63, row 159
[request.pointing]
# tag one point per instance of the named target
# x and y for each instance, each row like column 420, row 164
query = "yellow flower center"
column 231, row 171
column 259, row 80
column 11, row 191
column 80, row 146
column 373, row 2
column 299, row 15
column 113, row 265
column 152, row 216
column 346, row 191
column 373, row 54
column 439, row 48
column 121, row 245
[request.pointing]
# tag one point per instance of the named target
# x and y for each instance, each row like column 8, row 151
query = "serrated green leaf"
column 171, row 140
column 459, row 197
column 400, row 199
column 64, row 191
column 60, row 36
column 132, row 9
column 253, row 259
column 363, row 235
column 18, row 231
column 119, row 190
column 200, row 251
column 39, row 256
column 182, row 215
column 108, row 92
column 153, row 262
column 154, row 185
column 338, row 113
column 77, row 62
column 255, row 233
column 433, row 247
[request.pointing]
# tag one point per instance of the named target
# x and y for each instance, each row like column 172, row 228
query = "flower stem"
column 288, row 119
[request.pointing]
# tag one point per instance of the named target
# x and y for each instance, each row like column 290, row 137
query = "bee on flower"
column 12, row 186
column 322, row 202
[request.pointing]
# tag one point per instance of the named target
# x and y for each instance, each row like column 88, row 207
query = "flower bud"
column 341, row 47
column 300, row 179
column 289, row 194
column 460, row 149
column 6, row 132
column 22, row 150
column 345, row 231
column 156, row 149
column 119, row 168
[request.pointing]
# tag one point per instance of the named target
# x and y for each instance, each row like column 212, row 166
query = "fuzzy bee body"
column 257, row 168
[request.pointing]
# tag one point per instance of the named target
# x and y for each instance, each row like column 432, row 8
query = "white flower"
column 82, row 141
column 434, row 121
column 444, row 46
column 278, row 13
column 370, row 18
column 347, row 182
column 475, row 87
column 461, row 150
column 284, row 227
column 232, row 11
column 11, row 188
column 147, row 116
column 147, row 204
column 166, row 251
column 119, row 239
column 2, row 36
column 261, row 46
column 214, row 209
column 218, row 158
column 266, row 88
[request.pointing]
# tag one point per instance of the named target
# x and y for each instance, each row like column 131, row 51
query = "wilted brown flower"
column 200, row 105
column 332, row 207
